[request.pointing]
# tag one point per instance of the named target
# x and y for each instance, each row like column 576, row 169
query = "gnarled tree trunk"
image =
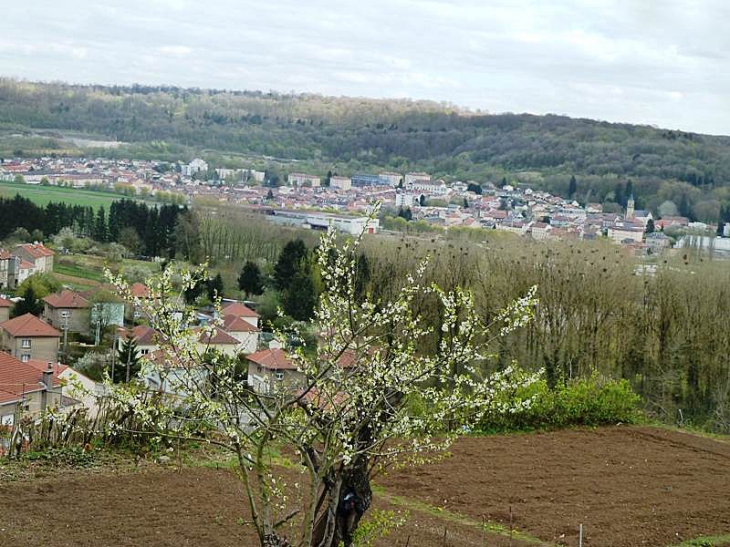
column 338, row 524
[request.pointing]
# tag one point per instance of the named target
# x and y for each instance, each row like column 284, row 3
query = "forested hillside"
column 349, row 135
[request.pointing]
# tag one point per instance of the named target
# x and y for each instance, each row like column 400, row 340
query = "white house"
column 302, row 179
column 343, row 223
column 435, row 188
column 243, row 331
column 271, row 369
column 147, row 339
column 540, row 230
column 404, row 200
column 514, row 226
column 80, row 388
column 40, row 256
column 393, row 179
column 9, row 265
column 258, row 176
column 341, row 183
column 238, row 309
column 643, row 216
column 413, row 177
column 198, row 165
column 218, row 340
column 622, row 233
column 171, row 376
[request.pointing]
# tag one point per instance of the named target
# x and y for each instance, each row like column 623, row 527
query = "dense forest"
column 349, row 135
column 142, row 229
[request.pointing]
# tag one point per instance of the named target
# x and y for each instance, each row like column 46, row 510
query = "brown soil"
column 161, row 507
column 628, row 486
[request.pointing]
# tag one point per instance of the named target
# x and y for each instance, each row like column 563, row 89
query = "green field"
column 82, row 272
column 42, row 195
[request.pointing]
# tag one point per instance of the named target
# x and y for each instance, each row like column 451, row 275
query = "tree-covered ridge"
column 367, row 134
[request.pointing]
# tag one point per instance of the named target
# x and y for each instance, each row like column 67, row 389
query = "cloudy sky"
column 661, row 62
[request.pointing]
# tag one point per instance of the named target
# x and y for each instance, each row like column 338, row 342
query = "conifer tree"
column 572, row 187
column 215, row 287
column 128, row 364
column 293, row 253
column 250, row 281
column 29, row 304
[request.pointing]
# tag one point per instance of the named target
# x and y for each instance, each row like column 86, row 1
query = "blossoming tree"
column 307, row 451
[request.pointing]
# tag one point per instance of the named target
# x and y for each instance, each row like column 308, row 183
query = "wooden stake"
column 510, row 526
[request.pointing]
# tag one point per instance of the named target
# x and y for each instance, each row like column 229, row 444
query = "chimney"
column 48, row 384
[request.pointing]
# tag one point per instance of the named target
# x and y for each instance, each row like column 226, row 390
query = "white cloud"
column 175, row 51
column 663, row 63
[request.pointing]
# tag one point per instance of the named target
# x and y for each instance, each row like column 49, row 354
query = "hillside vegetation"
column 349, row 135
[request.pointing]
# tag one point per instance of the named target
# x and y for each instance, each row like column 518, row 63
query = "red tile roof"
column 67, row 299
column 29, row 325
column 325, row 402
column 166, row 358
column 5, row 303
column 241, row 310
column 17, row 378
column 142, row 334
column 219, row 337
column 139, row 290
column 234, row 323
column 40, row 366
column 37, row 250
column 273, row 359
column 347, row 359
column 25, row 265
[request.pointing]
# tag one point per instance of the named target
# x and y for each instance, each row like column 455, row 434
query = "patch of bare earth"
column 161, row 507
column 628, row 486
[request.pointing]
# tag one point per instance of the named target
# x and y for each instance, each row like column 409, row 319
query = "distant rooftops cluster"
column 316, row 200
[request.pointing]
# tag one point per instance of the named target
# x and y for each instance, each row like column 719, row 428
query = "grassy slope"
column 88, row 271
column 42, row 195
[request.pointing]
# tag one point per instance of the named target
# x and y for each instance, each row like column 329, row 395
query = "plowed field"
column 628, row 486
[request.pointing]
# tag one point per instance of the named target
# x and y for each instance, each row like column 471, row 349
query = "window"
column 25, row 357
column 25, row 343
column 279, row 375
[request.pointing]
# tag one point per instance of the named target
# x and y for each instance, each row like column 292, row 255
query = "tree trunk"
column 273, row 540
column 354, row 500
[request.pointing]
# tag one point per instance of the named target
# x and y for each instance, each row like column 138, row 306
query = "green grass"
column 444, row 514
column 43, row 195
column 706, row 541
column 691, row 430
column 84, row 271
column 75, row 270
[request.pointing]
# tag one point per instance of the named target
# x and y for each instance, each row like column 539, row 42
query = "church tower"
column 630, row 207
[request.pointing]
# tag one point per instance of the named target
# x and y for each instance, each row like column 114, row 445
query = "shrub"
column 74, row 456
column 378, row 525
column 589, row 401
